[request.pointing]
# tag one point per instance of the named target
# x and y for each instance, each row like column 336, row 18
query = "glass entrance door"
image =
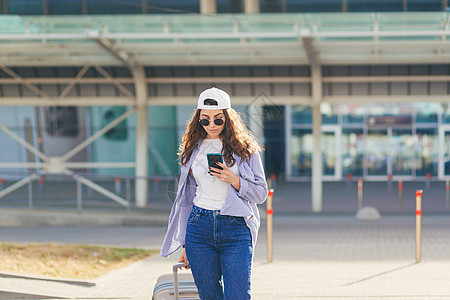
column 331, row 153
column 402, row 156
column 377, row 149
column 302, row 149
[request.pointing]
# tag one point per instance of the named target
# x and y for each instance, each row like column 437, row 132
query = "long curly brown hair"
column 236, row 138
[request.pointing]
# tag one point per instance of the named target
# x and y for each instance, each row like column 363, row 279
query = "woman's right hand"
column 183, row 258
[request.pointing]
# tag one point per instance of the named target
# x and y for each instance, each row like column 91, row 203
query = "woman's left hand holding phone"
column 226, row 175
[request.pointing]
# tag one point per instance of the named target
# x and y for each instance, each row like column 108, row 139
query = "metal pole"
column 317, row 162
column 141, row 149
column 360, row 193
column 30, row 194
column 418, row 226
column 128, row 190
column 79, row 195
column 128, row 194
column 400, row 195
column 270, row 226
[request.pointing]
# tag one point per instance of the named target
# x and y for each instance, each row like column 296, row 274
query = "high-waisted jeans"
column 219, row 247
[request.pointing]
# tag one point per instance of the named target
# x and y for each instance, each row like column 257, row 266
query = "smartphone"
column 213, row 158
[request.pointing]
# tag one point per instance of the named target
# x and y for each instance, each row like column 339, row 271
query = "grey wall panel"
column 339, row 89
column 359, row 88
column 159, row 72
column 202, row 71
column 129, row 87
column 419, row 88
column 242, row 71
column 379, row 70
column 201, row 87
column 74, row 92
column 262, row 88
column 399, row 70
column 301, row 71
column 243, row 89
column 227, row 87
column 51, row 90
column 107, row 90
column 359, row 70
column 441, row 69
column 281, row 71
column 222, row 71
column 326, row 89
column 302, row 89
column 262, row 71
column 26, row 92
column 282, row 89
column 379, row 88
column 88, row 90
column 339, row 71
column 438, row 88
column 165, row 90
column 182, row 71
column 419, row 70
column 11, row 90
column 184, row 90
column 68, row 72
column 399, row 88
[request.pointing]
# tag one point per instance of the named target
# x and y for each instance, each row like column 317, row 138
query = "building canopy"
column 225, row 39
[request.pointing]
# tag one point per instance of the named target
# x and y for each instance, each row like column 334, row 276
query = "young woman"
column 214, row 216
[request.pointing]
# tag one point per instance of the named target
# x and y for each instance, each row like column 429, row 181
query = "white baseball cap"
column 222, row 98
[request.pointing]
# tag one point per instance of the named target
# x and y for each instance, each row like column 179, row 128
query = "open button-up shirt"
column 253, row 190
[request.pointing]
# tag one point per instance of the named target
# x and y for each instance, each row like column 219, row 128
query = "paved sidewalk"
column 315, row 257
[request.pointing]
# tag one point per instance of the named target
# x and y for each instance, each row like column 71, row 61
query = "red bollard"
column 389, row 182
column 117, row 185
column 269, row 209
column 419, row 225
column 273, row 179
column 2, row 183
column 41, row 185
column 428, row 180
column 400, row 195
column 349, row 180
column 360, row 193
column 156, row 184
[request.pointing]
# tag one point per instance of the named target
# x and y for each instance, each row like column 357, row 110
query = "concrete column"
column 316, row 182
column 208, row 7
column 141, row 169
column 251, row 6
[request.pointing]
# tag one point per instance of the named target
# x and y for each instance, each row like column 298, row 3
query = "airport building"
column 95, row 87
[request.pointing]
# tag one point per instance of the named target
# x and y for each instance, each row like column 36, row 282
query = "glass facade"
column 373, row 141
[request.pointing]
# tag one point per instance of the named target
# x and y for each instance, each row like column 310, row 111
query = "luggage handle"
column 175, row 279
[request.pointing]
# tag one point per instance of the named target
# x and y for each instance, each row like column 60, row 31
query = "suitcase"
column 175, row 286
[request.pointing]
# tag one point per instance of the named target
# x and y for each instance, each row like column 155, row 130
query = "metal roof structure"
column 225, row 39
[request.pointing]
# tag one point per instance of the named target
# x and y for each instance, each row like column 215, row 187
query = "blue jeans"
column 219, row 247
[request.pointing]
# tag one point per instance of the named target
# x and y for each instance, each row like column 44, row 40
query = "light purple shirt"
column 242, row 203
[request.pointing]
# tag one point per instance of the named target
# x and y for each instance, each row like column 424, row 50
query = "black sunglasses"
column 205, row 122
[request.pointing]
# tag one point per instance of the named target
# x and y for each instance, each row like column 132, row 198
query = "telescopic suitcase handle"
column 175, row 279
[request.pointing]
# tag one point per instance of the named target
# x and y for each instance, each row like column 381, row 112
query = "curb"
column 37, row 218
column 60, row 280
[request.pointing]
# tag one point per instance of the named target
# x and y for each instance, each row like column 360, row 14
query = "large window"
column 427, row 147
column 352, row 152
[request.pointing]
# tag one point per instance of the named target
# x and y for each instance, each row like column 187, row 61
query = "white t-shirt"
column 211, row 191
